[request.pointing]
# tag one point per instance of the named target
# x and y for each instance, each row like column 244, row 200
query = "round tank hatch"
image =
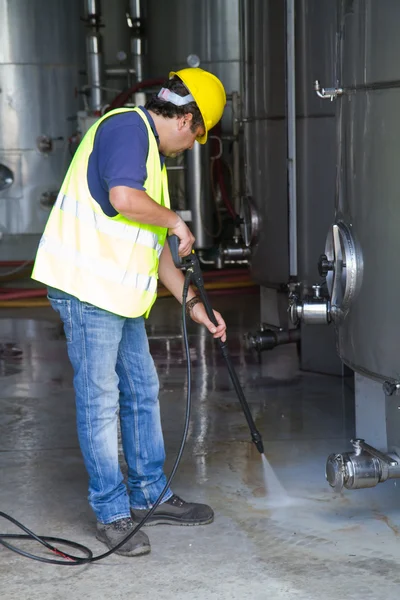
column 343, row 268
column 6, row 177
column 249, row 221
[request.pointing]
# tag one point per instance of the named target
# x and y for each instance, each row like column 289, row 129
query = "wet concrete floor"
column 312, row 544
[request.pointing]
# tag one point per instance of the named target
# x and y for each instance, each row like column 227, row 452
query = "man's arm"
column 137, row 206
column 173, row 280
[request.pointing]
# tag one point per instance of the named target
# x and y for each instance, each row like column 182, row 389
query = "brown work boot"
column 113, row 533
column 176, row 511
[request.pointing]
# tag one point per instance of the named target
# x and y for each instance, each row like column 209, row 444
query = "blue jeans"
column 114, row 377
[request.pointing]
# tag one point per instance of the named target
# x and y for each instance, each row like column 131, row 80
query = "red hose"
column 124, row 96
column 217, row 131
column 226, row 274
column 15, row 263
column 33, row 293
column 222, row 187
column 235, row 291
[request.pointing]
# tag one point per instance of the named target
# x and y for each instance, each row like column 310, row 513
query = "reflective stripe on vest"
column 110, row 262
column 103, row 224
column 104, row 270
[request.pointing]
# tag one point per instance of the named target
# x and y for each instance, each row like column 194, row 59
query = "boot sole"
column 139, row 551
column 172, row 521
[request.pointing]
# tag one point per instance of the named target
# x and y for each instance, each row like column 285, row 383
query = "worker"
column 100, row 256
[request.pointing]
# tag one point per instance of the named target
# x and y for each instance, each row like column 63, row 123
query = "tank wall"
column 209, row 29
column 41, row 53
column 370, row 184
column 265, row 132
column 316, row 48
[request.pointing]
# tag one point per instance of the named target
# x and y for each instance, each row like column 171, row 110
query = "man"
column 100, row 255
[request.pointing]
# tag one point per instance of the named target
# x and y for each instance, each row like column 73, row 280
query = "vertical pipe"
column 92, row 7
column 137, row 50
column 94, row 55
column 235, row 154
column 199, row 194
column 291, row 135
column 137, row 44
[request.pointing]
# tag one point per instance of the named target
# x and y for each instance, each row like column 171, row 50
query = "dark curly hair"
column 169, row 110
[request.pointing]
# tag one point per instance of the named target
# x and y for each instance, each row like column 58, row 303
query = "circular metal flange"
column 6, row 177
column 335, row 472
column 344, row 279
column 249, row 221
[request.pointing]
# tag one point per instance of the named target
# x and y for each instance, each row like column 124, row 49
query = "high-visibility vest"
column 110, row 262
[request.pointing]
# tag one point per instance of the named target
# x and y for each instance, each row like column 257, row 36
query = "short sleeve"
column 122, row 156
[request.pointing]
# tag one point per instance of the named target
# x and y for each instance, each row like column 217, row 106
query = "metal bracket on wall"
column 327, row 93
column 333, row 93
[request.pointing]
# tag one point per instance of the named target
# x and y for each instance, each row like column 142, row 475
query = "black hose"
column 70, row 559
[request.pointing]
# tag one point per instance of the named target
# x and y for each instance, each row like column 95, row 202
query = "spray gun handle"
column 173, row 242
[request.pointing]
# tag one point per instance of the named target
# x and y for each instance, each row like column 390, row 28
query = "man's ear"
column 185, row 121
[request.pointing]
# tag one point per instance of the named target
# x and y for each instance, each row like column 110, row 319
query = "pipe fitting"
column 363, row 468
column 327, row 93
column 311, row 310
column 268, row 339
column 391, row 388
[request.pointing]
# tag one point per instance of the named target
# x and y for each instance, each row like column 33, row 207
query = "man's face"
column 181, row 137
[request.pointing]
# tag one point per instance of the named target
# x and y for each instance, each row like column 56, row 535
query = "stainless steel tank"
column 208, row 29
column 264, row 92
column 364, row 242
column 41, row 53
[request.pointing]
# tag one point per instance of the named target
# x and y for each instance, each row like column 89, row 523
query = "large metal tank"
column 279, row 252
column 365, row 242
column 264, row 91
column 208, row 29
column 41, row 53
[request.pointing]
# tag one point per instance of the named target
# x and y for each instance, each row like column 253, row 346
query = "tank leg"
column 371, row 412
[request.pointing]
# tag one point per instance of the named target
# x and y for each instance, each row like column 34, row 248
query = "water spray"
column 191, row 265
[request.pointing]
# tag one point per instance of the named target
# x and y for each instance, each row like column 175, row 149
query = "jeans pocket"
column 63, row 307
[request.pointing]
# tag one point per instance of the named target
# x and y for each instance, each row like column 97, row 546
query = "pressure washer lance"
column 191, row 264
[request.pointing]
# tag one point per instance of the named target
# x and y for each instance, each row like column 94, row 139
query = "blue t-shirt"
column 119, row 156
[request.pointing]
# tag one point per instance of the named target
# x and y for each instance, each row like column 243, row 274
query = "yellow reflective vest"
column 110, row 262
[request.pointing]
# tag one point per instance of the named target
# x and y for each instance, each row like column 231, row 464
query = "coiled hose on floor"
column 68, row 559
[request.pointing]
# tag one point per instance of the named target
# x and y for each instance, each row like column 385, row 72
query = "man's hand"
column 186, row 238
column 199, row 315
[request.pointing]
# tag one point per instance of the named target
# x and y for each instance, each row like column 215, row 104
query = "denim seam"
column 87, row 402
column 136, row 422
column 116, row 518
column 168, row 494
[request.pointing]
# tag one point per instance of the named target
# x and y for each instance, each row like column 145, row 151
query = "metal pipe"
column 136, row 13
column 268, row 339
column 119, row 71
column 94, row 55
column 291, row 135
column 95, row 64
column 198, row 184
column 364, row 468
column 236, row 155
column 92, row 7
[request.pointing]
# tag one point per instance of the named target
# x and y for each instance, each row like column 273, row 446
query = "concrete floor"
column 315, row 545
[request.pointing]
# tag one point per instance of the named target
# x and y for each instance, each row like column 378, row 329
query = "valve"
column 324, row 265
column 363, row 468
column 310, row 309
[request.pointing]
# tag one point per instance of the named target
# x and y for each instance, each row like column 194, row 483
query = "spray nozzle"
column 258, row 441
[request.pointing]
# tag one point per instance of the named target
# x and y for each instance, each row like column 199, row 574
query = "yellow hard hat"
column 208, row 93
